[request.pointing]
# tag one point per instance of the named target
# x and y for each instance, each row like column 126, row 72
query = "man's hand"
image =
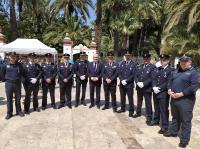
column 108, row 81
column 48, row 80
column 124, row 82
column 156, row 90
column 140, row 84
column 65, row 80
column 33, row 80
column 178, row 95
column 82, row 77
column 170, row 92
column 94, row 78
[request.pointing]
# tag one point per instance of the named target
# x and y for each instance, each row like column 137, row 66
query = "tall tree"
column 13, row 21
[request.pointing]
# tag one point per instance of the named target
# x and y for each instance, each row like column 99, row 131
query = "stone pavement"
column 84, row 128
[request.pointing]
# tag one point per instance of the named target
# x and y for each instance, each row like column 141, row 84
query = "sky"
column 92, row 14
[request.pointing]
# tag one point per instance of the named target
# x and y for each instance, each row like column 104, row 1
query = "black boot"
column 8, row 116
column 136, row 115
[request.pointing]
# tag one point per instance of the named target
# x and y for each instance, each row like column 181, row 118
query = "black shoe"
column 21, row 114
column 60, row 106
column 183, row 144
column 27, row 112
column 121, row 111
column 98, row 106
column 154, row 123
column 83, row 103
column 130, row 114
column 43, row 108
column 91, row 106
column 54, row 106
column 162, row 131
column 104, row 108
column 69, row 106
column 136, row 115
column 8, row 116
column 168, row 134
column 148, row 123
column 114, row 110
column 76, row 105
column 37, row 109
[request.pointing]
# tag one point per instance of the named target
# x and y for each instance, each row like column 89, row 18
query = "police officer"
column 143, row 79
column 160, row 89
column 126, row 76
column 109, row 74
column 65, row 74
column 182, row 89
column 80, row 69
column 156, row 116
column 49, row 72
column 95, row 77
column 32, row 74
column 12, row 74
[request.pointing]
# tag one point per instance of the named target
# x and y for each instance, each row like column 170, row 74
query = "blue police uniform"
column 126, row 72
column 49, row 71
column 12, row 74
column 80, row 69
column 185, row 81
column 144, row 74
column 110, row 71
column 163, row 75
column 95, row 70
column 32, row 70
column 65, row 71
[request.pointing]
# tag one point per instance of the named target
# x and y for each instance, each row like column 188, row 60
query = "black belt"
column 13, row 81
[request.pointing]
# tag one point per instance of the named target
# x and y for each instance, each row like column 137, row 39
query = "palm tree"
column 13, row 21
column 77, row 7
column 98, row 24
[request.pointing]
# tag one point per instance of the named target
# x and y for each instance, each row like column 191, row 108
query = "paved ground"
column 84, row 128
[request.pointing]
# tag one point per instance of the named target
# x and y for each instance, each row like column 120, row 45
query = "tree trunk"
column 13, row 21
column 116, row 41
column 98, row 24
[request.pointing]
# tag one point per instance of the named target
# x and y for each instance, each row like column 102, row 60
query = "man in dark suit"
column 143, row 79
column 95, row 77
column 80, row 69
column 126, row 75
column 159, row 84
column 65, row 74
column 110, row 74
column 49, row 72
column 12, row 73
column 32, row 72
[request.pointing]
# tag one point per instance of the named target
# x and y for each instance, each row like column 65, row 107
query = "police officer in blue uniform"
column 109, row 74
column 32, row 75
column 65, row 76
column 49, row 72
column 80, row 69
column 126, row 73
column 160, row 84
column 182, row 89
column 12, row 73
column 143, row 79
column 95, row 79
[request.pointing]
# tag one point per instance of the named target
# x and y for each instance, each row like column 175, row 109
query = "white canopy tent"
column 26, row 46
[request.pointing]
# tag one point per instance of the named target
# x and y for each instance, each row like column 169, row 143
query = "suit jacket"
column 65, row 72
column 95, row 73
column 127, row 72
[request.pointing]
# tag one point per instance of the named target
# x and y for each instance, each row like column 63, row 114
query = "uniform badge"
column 8, row 66
column 27, row 66
column 131, row 68
column 188, row 73
column 105, row 66
column 79, row 63
column 165, row 75
column 61, row 66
